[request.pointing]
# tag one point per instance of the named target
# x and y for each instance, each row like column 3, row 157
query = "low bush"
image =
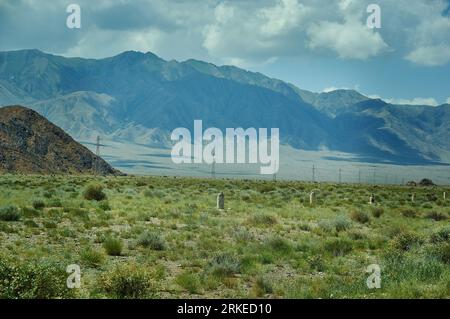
column 338, row 246
column 224, row 265
column 189, row 281
column 405, row 241
column 437, row 216
column 92, row 257
column 38, row 204
column 113, row 246
column 151, row 240
column 94, row 192
column 33, row 280
column 360, row 216
column 9, row 213
column 128, row 281
column 377, row 212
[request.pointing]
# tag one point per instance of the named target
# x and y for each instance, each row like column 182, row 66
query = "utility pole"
column 213, row 166
column 359, row 176
column 313, row 173
column 97, row 152
column 340, row 176
column 374, row 176
column 275, row 174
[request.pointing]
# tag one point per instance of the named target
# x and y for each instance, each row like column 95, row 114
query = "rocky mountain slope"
column 29, row 143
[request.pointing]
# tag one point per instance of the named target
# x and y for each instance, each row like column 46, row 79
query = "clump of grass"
column 262, row 287
column 437, row 216
column 405, row 241
column 442, row 235
column 104, row 205
column 94, row 192
column 342, row 224
column 38, row 204
column 263, row 219
column 279, row 244
column 113, row 246
column 9, row 213
column 189, row 281
column 224, row 265
column 49, row 224
column 409, row 212
column 127, row 282
column 92, row 257
column 338, row 246
column 360, row 216
column 377, row 212
column 442, row 252
column 151, row 240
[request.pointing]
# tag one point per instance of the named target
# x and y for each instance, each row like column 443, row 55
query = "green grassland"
column 162, row 237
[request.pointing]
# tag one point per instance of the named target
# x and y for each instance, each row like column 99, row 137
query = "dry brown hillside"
column 29, row 143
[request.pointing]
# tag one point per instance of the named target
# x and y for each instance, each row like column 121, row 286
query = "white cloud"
column 430, row 55
column 282, row 17
column 448, row 101
column 415, row 101
column 351, row 40
column 333, row 88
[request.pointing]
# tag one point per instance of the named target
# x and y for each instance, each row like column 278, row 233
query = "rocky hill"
column 29, row 143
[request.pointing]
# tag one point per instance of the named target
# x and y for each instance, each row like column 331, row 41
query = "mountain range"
column 139, row 98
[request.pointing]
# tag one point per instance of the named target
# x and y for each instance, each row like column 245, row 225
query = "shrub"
column 409, row 212
column 262, row 287
column 151, row 240
column 189, row 281
column 437, row 216
column 94, row 192
column 104, row 206
column 377, row 212
column 113, row 246
column 34, row 280
column 405, row 241
column 442, row 235
column 341, row 224
column 443, row 253
column 49, row 224
column 359, row 216
column 30, row 212
column 224, row 265
column 127, row 281
column 38, row 204
column 338, row 247
column 279, row 244
column 263, row 219
column 9, row 213
column 92, row 257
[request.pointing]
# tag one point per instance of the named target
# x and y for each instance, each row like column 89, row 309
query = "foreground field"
column 156, row 237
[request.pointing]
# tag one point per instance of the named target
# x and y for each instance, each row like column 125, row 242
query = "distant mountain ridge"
column 139, row 98
column 29, row 143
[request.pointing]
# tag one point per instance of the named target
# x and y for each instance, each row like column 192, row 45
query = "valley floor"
column 162, row 237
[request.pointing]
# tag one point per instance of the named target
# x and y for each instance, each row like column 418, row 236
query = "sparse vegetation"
column 142, row 242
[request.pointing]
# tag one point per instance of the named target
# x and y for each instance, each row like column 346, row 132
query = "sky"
column 318, row 45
